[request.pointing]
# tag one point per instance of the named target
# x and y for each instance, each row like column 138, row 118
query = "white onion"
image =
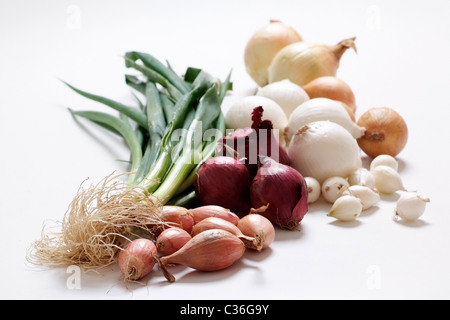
column 324, row 149
column 368, row 196
column 318, row 109
column 286, row 93
column 410, row 206
column 362, row 177
column 387, row 180
column 239, row 114
column 384, row 160
column 332, row 188
column 313, row 189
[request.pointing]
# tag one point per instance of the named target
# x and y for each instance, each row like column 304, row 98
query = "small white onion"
column 384, row 160
column 346, row 208
column 387, row 180
column 332, row 188
column 287, row 94
column 239, row 115
column 313, row 189
column 319, row 109
column 324, row 149
column 362, row 177
column 411, row 206
column 368, row 196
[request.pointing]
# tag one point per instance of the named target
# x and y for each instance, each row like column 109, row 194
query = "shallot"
column 136, row 259
column 251, row 242
column 174, row 216
column 171, row 240
column 210, row 250
column 259, row 227
column 203, row 212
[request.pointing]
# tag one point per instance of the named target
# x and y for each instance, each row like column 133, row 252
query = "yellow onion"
column 264, row 45
column 302, row 62
column 386, row 132
column 332, row 88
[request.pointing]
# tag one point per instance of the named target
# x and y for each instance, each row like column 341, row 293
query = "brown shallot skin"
column 136, row 259
column 257, row 226
column 174, row 216
column 171, row 240
column 210, row 250
column 204, row 212
column 250, row 242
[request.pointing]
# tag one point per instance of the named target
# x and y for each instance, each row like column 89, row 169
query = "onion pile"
column 216, row 239
column 324, row 139
column 273, row 182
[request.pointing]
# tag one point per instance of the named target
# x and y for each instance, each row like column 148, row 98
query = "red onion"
column 283, row 189
column 250, row 143
column 136, row 260
column 224, row 181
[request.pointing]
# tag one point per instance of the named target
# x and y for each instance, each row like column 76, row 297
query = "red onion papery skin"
column 224, row 181
column 284, row 190
column 250, row 143
column 268, row 145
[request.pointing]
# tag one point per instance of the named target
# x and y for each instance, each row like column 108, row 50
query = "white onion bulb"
column 318, row 109
column 314, row 189
column 239, row 115
column 324, row 149
column 411, row 206
column 384, row 160
column 286, row 93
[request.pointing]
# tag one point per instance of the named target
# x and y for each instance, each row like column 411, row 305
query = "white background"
column 402, row 62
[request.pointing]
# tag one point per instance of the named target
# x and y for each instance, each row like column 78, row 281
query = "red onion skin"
column 247, row 145
column 224, row 181
column 284, row 190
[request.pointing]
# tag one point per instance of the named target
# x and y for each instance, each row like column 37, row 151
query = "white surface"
column 402, row 62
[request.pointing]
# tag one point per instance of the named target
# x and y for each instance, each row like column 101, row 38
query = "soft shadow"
column 419, row 223
column 346, row 224
column 370, row 211
column 257, row 256
column 321, row 205
column 196, row 276
column 391, row 197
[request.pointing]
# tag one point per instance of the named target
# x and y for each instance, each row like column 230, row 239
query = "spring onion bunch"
column 174, row 128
